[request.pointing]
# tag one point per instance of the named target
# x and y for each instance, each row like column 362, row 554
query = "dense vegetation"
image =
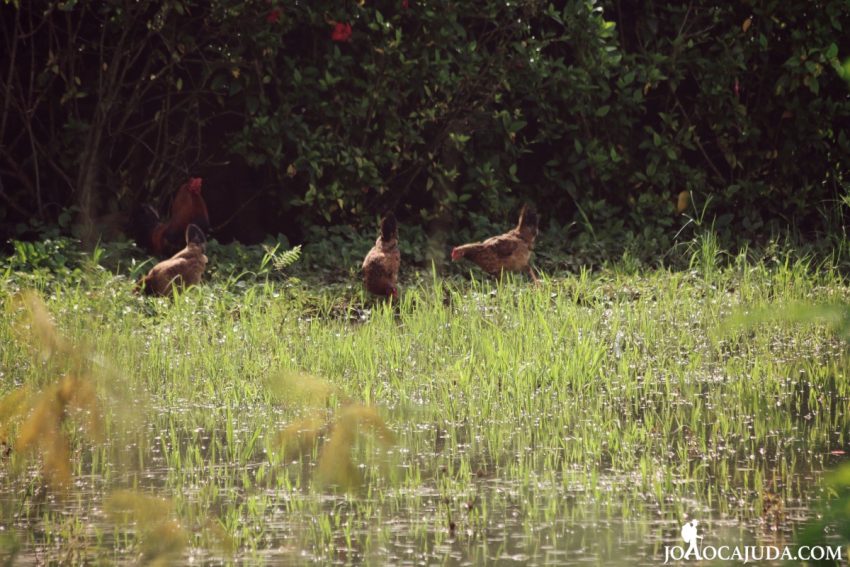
column 261, row 418
column 613, row 116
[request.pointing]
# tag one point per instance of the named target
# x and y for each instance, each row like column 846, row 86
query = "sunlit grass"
column 278, row 421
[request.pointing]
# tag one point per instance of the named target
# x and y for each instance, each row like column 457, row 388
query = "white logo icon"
column 689, row 534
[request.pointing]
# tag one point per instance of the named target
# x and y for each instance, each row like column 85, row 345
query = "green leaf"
column 252, row 103
column 832, row 51
column 517, row 125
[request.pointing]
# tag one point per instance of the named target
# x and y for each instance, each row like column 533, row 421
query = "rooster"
column 380, row 267
column 506, row 252
column 184, row 268
column 188, row 207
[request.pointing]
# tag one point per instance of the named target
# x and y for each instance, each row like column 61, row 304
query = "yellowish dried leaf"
column 42, row 416
column 41, row 432
column 82, row 401
column 37, row 327
column 336, row 467
column 298, row 438
column 13, row 407
column 299, row 390
column 161, row 536
column 128, row 506
column 215, row 531
column 683, row 201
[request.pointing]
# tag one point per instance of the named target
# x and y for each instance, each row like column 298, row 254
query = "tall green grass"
column 580, row 419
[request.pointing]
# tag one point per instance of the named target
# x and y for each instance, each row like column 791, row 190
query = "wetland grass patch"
column 583, row 419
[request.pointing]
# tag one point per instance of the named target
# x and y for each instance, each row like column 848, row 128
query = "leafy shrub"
column 602, row 113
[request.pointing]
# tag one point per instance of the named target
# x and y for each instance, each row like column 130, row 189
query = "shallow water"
column 467, row 506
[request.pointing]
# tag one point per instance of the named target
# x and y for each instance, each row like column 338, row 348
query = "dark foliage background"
column 628, row 123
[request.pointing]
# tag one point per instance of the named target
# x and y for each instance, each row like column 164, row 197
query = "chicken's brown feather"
column 380, row 267
column 506, row 252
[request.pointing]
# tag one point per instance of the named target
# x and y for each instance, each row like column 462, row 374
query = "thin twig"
column 8, row 97
column 696, row 139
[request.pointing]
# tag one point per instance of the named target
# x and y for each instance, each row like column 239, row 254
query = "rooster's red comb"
column 194, row 184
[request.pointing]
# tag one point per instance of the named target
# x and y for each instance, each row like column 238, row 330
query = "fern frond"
column 286, row 259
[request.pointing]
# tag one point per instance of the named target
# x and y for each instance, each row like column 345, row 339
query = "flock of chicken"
column 188, row 223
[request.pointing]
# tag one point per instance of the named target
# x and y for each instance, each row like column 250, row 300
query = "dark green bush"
column 452, row 113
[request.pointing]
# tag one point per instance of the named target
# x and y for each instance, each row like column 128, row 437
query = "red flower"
column 405, row 4
column 273, row 16
column 342, row 32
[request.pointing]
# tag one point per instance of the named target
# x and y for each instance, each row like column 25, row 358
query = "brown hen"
column 183, row 269
column 506, row 252
column 380, row 267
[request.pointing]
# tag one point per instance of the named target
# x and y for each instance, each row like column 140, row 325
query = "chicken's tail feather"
column 195, row 235
column 528, row 217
